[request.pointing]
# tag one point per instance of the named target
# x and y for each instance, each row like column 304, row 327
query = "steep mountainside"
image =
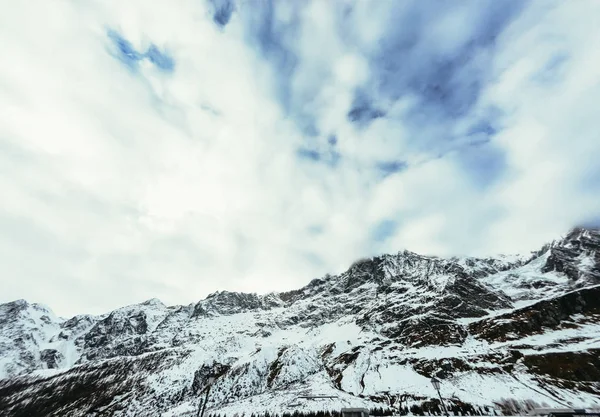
column 524, row 328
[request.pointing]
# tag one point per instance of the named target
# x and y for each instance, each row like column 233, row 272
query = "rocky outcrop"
column 116, row 335
column 23, row 327
column 51, row 358
column 577, row 256
column 226, row 303
column 541, row 316
column 101, row 388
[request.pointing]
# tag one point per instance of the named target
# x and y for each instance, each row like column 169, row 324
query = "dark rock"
column 572, row 370
column 119, row 334
column 51, row 357
column 565, row 255
column 226, row 303
column 546, row 314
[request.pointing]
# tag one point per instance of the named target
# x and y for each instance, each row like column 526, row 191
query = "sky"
column 170, row 149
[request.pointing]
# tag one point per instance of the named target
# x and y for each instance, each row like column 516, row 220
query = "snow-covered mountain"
column 520, row 328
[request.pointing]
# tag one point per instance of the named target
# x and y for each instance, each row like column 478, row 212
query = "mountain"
column 502, row 334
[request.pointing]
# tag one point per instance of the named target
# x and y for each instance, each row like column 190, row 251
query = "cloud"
column 549, row 127
column 159, row 151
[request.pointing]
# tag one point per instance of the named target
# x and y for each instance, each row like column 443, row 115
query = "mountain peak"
column 577, row 255
column 154, row 302
column 228, row 302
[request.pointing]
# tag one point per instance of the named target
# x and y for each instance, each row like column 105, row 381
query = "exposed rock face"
column 541, row 316
column 580, row 371
column 577, row 256
column 225, row 302
column 23, row 328
column 100, row 388
column 105, row 339
column 523, row 327
column 51, row 357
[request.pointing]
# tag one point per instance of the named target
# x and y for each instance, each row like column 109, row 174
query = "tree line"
column 429, row 409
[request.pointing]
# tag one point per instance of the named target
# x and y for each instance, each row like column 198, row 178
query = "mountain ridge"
column 360, row 336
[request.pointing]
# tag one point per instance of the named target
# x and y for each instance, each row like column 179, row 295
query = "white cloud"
column 123, row 185
column 551, row 138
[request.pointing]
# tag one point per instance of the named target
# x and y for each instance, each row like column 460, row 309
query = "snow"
column 586, row 262
column 280, row 352
column 24, row 336
column 587, row 336
column 516, row 283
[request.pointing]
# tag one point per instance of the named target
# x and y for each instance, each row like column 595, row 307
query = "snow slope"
column 525, row 328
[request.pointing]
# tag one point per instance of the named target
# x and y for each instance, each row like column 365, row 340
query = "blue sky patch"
column 272, row 38
column 160, row 59
column 553, row 70
column 363, row 111
column 126, row 52
column 483, row 127
column 391, row 167
column 310, row 154
column 223, row 9
column 129, row 56
column 330, row 158
column 593, row 222
column 384, row 230
column 484, row 162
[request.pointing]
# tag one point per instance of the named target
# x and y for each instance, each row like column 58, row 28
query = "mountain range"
column 502, row 334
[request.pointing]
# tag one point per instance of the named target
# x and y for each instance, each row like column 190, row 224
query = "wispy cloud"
column 150, row 150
